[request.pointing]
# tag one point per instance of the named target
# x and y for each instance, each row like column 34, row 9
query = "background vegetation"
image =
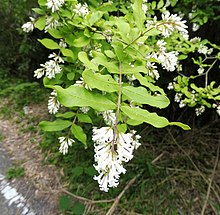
column 174, row 172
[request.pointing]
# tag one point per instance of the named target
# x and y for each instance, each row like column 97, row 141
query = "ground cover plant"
column 109, row 69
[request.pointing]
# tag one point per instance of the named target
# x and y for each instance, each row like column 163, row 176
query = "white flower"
column 168, row 60
column 84, row 109
column 54, row 5
column 51, row 68
column 195, row 40
column 62, row 44
column 200, row 70
column 182, row 104
column 81, row 83
column 178, row 97
column 152, row 70
column 81, row 10
column 28, row 26
column 200, row 110
column 170, row 23
column 171, row 86
column 56, row 58
column 144, row 7
column 195, row 27
column 38, row 73
column 51, row 23
column 65, row 142
column 162, row 45
column 53, row 103
column 203, row 49
column 110, row 155
column 109, row 117
column 218, row 110
column 167, row 3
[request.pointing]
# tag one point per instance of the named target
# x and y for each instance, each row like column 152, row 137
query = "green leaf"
column 40, row 23
column 38, row 11
column 181, row 125
column 81, row 41
column 77, row 171
column 76, row 96
column 141, row 115
column 122, row 128
column 79, row 134
column 55, row 33
column 84, row 118
column 97, row 36
column 48, row 43
column 57, row 125
column 64, row 203
column 78, row 209
column 66, row 115
column 142, row 96
column 110, row 53
column 67, row 53
column 160, row 4
column 42, row 2
column 71, row 76
column 144, row 81
column 83, row 57
column 53, row 81
column 101, row 82
column 95, row 17
column 139, row 15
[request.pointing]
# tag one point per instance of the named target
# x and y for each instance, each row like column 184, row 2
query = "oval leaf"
column 57, row 125
column 80, row 97
column 141, row 95
column 87, row 63
column 101, row 82
column 79, row 134
column 141, row 115
column 48, row 43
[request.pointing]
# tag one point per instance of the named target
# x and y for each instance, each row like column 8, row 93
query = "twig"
column 85, row 199
column 210, row 183
column 118, row 108
column 157, row 158
column 114, row 205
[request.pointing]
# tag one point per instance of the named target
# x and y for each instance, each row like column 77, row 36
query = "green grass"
column 15, row 172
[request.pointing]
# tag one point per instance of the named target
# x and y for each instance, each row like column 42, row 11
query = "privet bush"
column 106, row 58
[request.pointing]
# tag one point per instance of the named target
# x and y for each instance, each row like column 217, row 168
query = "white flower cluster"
column 200, row 70
column 109, row 117
column 168, row 60
column 152, row 70
column 200, row 110
column 195, row 27
column 81, row 10
column 144, row 6
column 54, row 5
column 172, row 22
column 65, row 142
column 53, row 103
column 28, row 26
column 50, row 68
column 110, row 160
column 217, row 108
column 51, row 23
column 204, row 50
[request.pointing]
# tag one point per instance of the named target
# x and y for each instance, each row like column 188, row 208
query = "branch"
column 113, row 207
column 118, row 107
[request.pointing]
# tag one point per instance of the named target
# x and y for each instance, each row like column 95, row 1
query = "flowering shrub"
column 105, row 61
